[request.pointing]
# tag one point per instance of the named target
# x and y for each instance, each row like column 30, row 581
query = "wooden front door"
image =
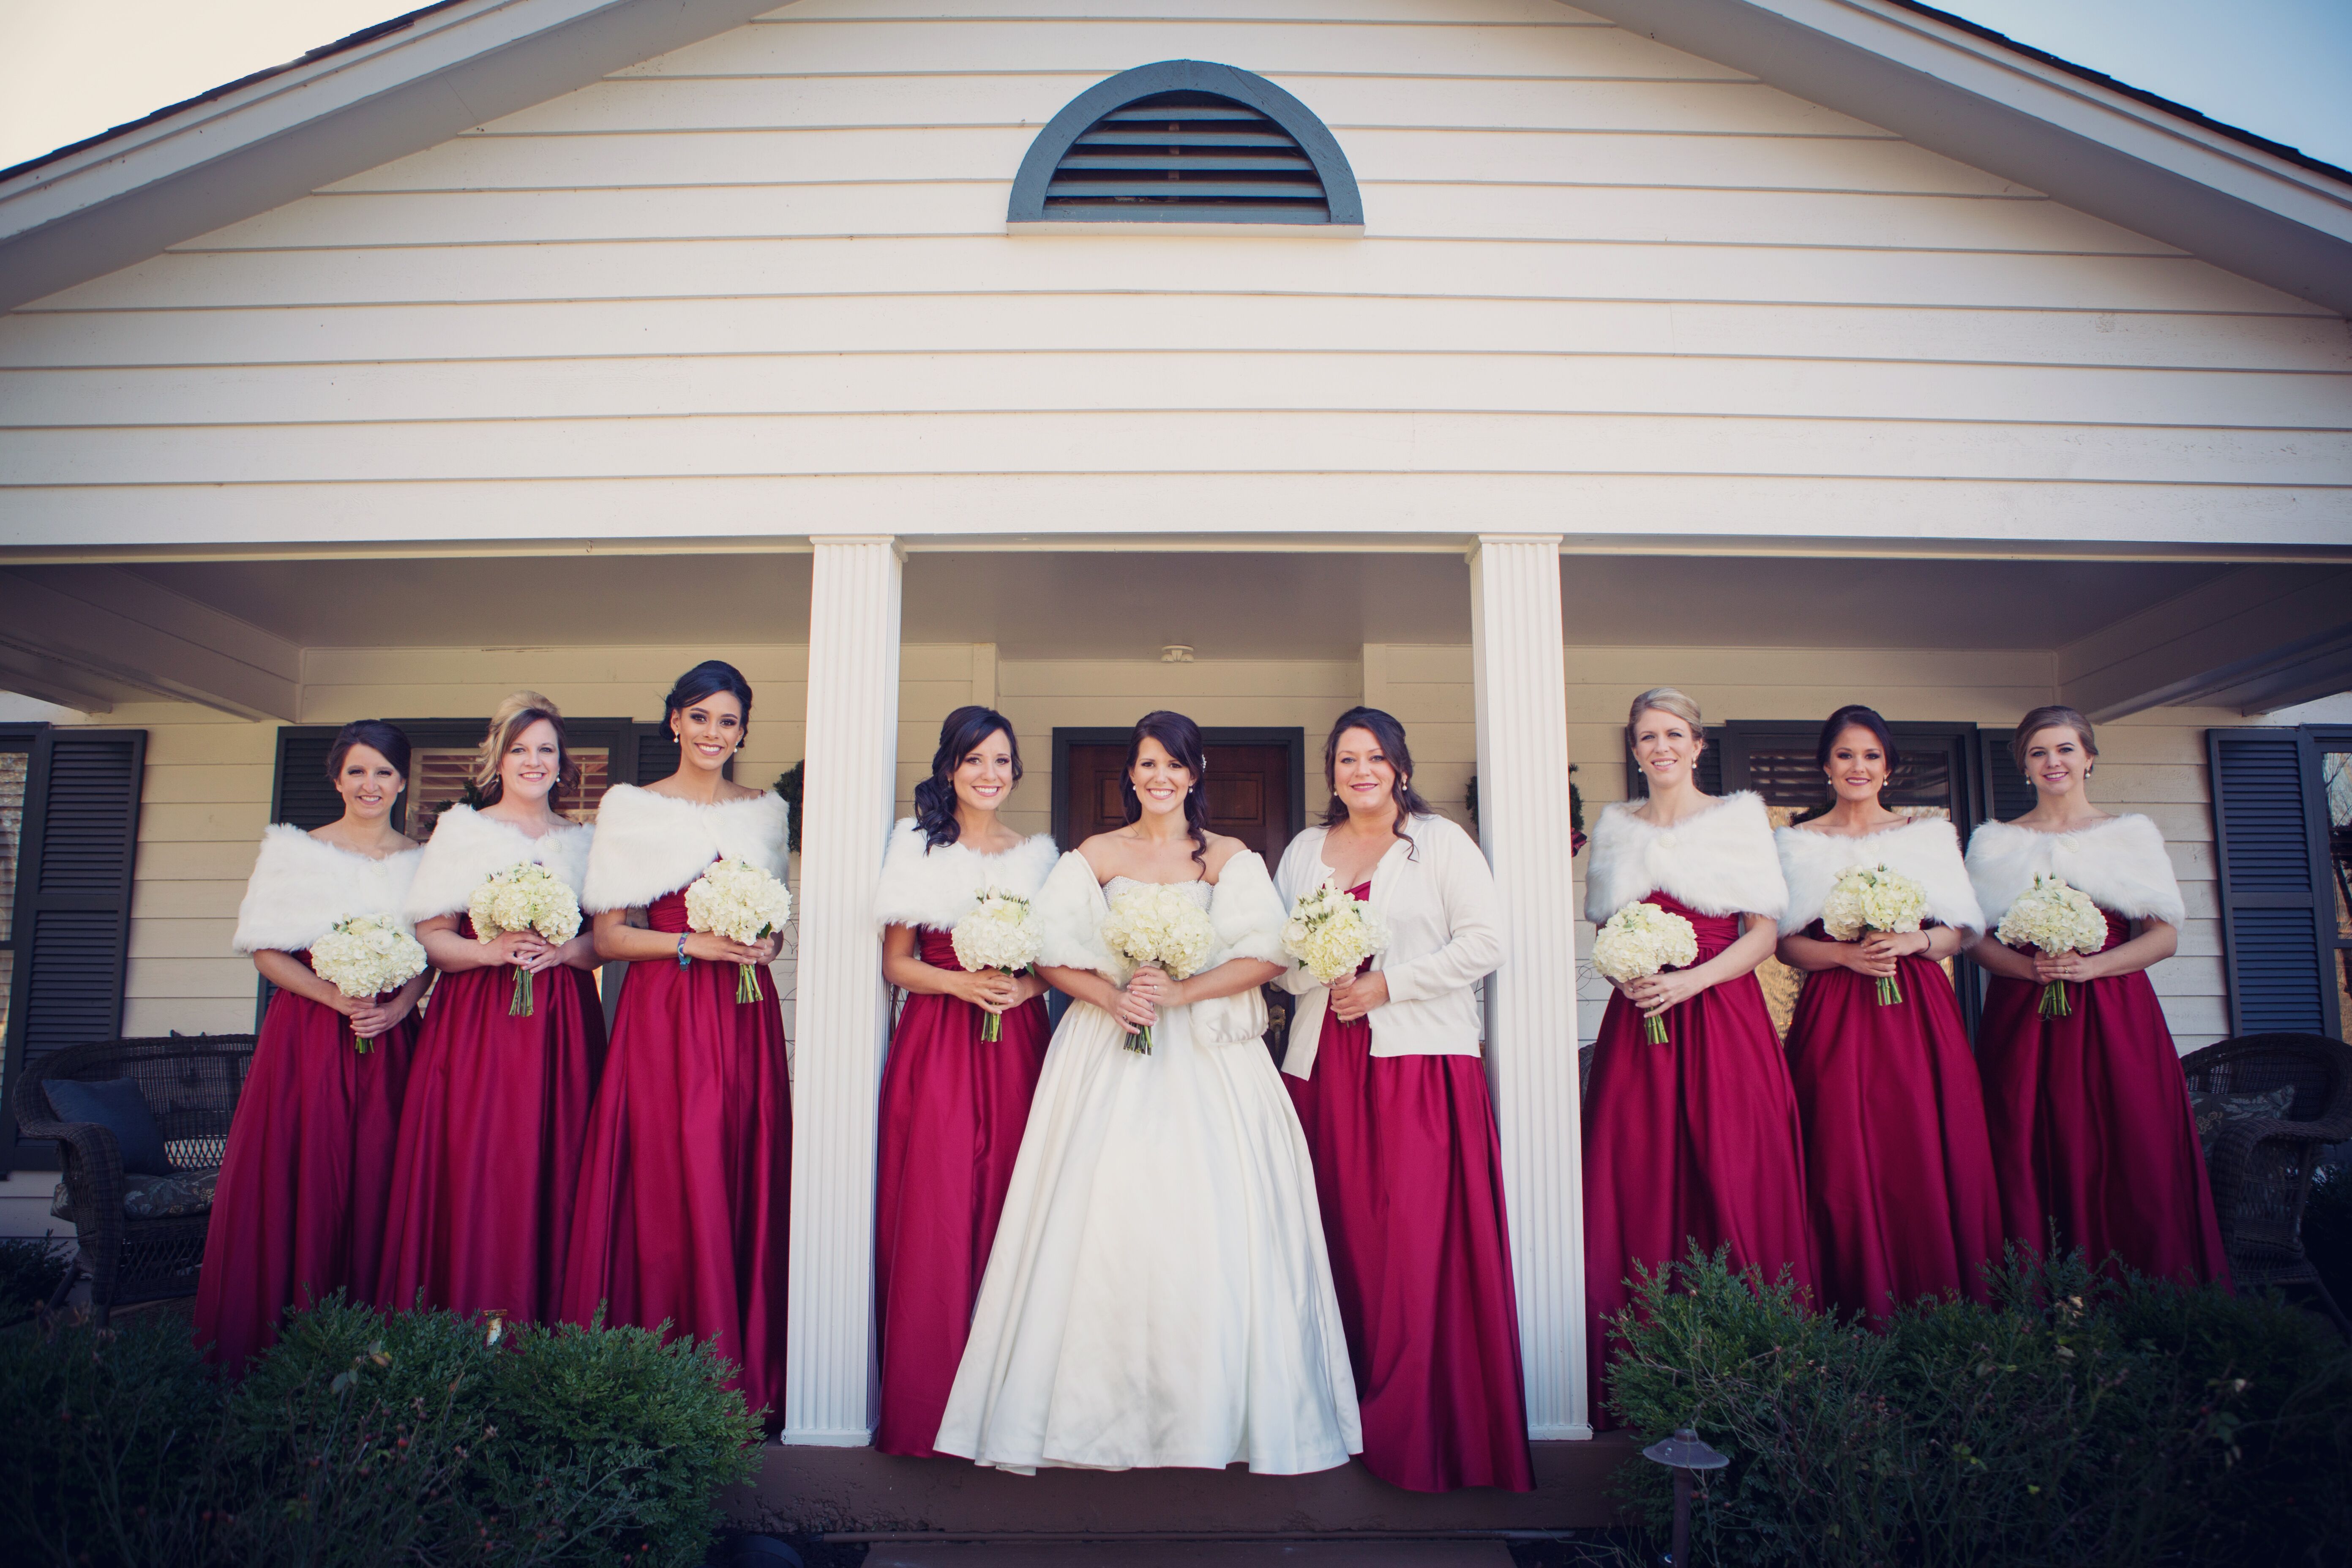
column 1251, row 787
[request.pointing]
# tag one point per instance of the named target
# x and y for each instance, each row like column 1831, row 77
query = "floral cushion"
column 2213, row 1110
column 171, row 1196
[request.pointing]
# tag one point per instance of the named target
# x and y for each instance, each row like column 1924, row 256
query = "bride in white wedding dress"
column 1158, row 1293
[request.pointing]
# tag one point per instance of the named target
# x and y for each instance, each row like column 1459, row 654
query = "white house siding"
column 763, row 284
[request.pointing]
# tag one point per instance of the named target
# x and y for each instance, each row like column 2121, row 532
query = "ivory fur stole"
column 302, row 888
column 1719, row 862
column 931, row 888
column 1924, row 849
column 467, row 847
column 647, row 845
column 1243, row 909
column 2121, row 863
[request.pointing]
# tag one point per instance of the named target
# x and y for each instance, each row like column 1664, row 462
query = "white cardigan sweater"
column 1437, row 899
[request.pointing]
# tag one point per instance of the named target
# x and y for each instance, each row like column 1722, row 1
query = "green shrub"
column 30, row 1272
column 2076, row 1420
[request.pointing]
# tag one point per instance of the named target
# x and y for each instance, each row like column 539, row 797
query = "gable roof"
column 2244, row 202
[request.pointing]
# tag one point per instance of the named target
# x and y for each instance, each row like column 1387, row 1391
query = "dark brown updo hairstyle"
column 1855, row 716
column 962, row 732
column 1389, row 735
column 382, row 739
column 708, row 679
column 2057, row 716
column 1181, row 738
column 516, row 714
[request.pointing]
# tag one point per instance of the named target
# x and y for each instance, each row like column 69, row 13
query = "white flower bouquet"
column 367, row 955
column 1157, row 925
column 1331, row 931
column 737, row 901
column 1866, row 898
column 997, row 934
column 2055, row 918
column 1640, row 940
column 528, row 897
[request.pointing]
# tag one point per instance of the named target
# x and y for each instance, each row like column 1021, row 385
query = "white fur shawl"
column 2121, row 863
column 648, row 845
column 1070, row 909
column 302, row 886
column 1719, row 862
column 1926, row 849
column 935, row 887
column 467, row 847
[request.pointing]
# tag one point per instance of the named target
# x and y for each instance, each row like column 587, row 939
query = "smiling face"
column 1161, row 781
column 1858, row 765
column 368, row 783
column 2057, row 761
column 527, row 771
column 708, row 730
column 1665, row 747
column 984, row 777
column 1361, row 775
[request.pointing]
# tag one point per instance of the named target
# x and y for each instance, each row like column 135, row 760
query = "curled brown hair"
column 2056, row 716
column 516, row 714
column 1389, row 735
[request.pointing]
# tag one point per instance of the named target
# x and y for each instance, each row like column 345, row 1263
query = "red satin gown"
column 299, row 1211
column 953, row 1108
column 2090, row 1126
column 1899, row 1173
column 1693, row 1141
column 686, row 1179
column 489, row 1144
column 1408, row 1178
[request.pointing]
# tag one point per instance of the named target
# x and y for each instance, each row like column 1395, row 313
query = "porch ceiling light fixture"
column 1176, row 653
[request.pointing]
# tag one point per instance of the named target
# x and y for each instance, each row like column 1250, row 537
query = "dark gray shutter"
column 73, row 895
column 302, row 794
column 657, row 753
column 2008, row 792
column 2271, row 843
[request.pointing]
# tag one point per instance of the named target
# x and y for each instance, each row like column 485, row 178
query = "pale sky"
column 2282, row 68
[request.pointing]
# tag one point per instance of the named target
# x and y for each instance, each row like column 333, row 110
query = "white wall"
column 763, row 283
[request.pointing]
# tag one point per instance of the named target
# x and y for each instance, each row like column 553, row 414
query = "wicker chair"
column 191, row 1083
column 2261, row 1167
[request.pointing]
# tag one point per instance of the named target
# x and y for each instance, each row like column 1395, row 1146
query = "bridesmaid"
column 953, row 1106
column 685, row 1184
column 1695, row 1141
column 1384, row 1071
column 2092, row 1133
column 498, row 1104
column 298, row 1210
column 1898, row 1171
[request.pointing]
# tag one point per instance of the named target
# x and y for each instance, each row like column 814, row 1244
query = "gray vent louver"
column 1177, row 156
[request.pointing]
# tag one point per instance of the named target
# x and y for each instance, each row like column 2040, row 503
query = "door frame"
column 1293, row 740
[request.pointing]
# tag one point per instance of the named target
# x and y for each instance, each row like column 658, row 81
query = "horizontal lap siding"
column 766, row 277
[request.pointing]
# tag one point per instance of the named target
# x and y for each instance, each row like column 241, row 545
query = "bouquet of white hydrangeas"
column 367, row 955
column 2054, row 917
column 1160, row 925
column 1331, row 931
column 1866, row 898
column 737, row 901
column 528, row 897
column 997, row 934
column 1640, row 940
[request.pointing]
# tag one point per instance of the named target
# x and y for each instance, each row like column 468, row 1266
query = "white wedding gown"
column 1158, row 1293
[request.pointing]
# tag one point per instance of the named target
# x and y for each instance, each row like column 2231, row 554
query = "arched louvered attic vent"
column 1186, row 141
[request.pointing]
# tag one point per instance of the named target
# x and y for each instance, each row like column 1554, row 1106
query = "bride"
column 1158, row 1293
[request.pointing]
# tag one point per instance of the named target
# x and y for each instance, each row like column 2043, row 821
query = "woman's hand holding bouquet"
column 1160, row 931
column 1871, row 900
column 1641, row 941
column 743, row 903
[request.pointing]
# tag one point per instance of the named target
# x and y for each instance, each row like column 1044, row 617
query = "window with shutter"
column 69, row 928
column 2280, row 922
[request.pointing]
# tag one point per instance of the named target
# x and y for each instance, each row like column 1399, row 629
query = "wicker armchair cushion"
column 174, row 1196
column 115, row 1104
column 2212, row 1112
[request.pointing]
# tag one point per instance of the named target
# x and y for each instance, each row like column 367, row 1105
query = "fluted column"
column 1522, row 691
column 844, row 1014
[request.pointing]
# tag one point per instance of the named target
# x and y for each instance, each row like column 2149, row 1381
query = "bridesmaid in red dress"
column 298, row 1210
column 1898, row 1170
column 953, row 1105
column 1696, row 1140
column 686, row 1182
column 1384, row 1071
column 497, row 1101
column 2092, row 1132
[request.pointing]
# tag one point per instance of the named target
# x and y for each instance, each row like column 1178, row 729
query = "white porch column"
column 843, row 1015
column 1521, row 683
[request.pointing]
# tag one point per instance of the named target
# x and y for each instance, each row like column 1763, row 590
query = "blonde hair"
column 1665, row 699
column 2057, row 716
column 516, row 714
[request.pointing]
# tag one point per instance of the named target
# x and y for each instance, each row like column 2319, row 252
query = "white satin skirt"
column 1158, row 1293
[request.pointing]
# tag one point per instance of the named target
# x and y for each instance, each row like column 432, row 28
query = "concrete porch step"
column 1192, row 1554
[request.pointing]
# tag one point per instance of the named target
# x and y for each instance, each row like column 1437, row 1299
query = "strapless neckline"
column 1119, row 885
